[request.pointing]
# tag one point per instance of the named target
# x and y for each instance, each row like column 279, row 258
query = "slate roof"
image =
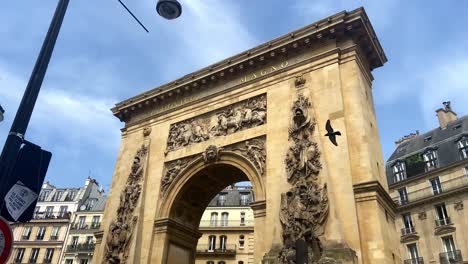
column 444, row 140
column 233, row 196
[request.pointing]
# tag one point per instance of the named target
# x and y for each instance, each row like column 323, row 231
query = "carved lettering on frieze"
column 246, row 114
column 121, row 229
column 304, row 208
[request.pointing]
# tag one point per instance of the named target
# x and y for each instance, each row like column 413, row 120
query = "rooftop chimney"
column 446, row 115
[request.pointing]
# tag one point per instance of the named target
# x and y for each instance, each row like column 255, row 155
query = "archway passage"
column 194, row 197
column 186, row 201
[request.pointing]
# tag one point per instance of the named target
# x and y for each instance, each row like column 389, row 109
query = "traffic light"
column 22, row 186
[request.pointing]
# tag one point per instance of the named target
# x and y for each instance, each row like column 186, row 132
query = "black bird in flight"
column 331, row 134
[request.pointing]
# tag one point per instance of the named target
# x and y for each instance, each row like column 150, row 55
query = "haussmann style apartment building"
column 42, row 240
column 227, row 228
column 428, row 179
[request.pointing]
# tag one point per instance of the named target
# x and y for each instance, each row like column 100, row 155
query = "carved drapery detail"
column 228, row 120
column 121, row 229
column 304, row 208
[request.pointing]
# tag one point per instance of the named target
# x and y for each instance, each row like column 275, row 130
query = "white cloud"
column 446, row 81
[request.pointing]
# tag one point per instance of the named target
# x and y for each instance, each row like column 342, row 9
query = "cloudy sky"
column 102, row 57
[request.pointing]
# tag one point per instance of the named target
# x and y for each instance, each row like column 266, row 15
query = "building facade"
column 227, row 228
column 42, row 239
column 259, row 116
column 428, row 179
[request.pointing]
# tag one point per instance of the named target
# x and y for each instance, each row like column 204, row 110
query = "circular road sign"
column 6, row 240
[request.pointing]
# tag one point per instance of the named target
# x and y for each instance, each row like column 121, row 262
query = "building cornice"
column 354, row 23
column 375, row 187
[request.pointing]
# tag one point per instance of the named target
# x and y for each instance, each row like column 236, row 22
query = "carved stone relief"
column 121, row 229
column 422, row 215
column 246, row 114
column 304, row 208
column 458, row 204
column 252, row 149
column 299, row 81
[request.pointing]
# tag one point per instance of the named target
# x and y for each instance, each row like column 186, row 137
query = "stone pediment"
column 254, row 64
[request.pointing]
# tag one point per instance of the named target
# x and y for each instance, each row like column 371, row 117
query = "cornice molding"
column 382, row 195
column 353, row 24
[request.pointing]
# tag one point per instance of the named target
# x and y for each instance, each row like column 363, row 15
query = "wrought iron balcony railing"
column 419, row 260
column 84, row 247
column 225, row 223
column 51, row 215
column 207, row 249
column 451, row 257
column 86, row 226
column 408, row 230
column 446, row 186
column 443, row 222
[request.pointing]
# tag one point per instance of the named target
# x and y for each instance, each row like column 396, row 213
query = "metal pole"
column 23, row 115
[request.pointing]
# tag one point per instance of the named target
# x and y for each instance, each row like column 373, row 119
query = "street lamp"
column 169, row 9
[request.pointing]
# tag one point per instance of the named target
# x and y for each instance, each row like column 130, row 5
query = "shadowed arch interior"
column 199, row 190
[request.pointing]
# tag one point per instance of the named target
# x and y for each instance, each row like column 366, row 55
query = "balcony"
column 408, row 231
column 443, row 222
column 228, row 250
column 225, row 224
column 85, row 226
column 419, row 260
column 445, row 187
column 451, row 257
column 51, row 215
column 81, row 248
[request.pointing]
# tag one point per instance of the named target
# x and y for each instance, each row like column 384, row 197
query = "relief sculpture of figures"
column 304, row 208
column 172, row 173
column 120, row 229
column 255, row 151
column 233, row 118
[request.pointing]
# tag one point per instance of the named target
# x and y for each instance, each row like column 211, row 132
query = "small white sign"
column 18, row 199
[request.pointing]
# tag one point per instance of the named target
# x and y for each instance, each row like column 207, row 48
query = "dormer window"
column 221, row 199
column 430, row 160
column 463, row 148
column 399, row 173
column 427, row 139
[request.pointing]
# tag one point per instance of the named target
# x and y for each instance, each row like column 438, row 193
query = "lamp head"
column 169, row 9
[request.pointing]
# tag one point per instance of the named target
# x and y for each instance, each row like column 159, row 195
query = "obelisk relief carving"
column 304, row 208
column 121, row 229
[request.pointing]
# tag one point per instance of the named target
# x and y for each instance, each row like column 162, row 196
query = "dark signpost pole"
column 18, row 129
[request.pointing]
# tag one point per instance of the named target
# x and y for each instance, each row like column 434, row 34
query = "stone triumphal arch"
column 266, row 116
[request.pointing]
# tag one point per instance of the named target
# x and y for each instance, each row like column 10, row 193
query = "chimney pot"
column 446, row 115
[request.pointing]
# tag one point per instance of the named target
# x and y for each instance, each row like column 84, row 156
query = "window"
column 463, row 148
column 408, row 224
column 241, row 241
column 43, row 195
column 41, row 233
column 436, row 186
column 89, row 240
column 33, row 256
column 69, row 261
column 222, row 243
column 221, row 262
column 82, row 222
column 240, row 262
column 403, row 195
column 399, row 173
column 19, row 255
column 242, row 218
column 244, row 199
column 442, row 215
column 95, row 222
column 221, row 199
column 57, row 196
column 210, row 262
column 49, row 212
column 211, row 243
column 90, row 203
column 428, row 138
column 430, row 160
column 466, row 171
column 74, row 241
column 83, row 261
column 63, row 211
column 224, row 219
column 214, row 219
column 449, row 244
column 26, row 232
column 36, row 212
column 71, row 196
column 55, row 233
column 49, row 255
column 413, row 251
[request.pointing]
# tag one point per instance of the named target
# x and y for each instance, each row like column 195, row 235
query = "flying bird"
column 331, row 134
